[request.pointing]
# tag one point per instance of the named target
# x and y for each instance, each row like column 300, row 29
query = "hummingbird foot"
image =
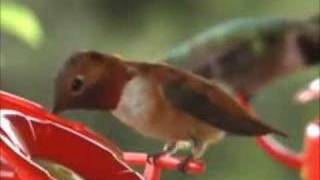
column 153, row 158
column 168, row 149
column 183, row 165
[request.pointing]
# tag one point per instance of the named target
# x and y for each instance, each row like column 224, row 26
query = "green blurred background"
column 145, row 31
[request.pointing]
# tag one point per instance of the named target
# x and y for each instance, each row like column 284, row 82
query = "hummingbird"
column 157, row 100
column 246, row 54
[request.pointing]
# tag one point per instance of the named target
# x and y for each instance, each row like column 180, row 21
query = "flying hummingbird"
column 157, row 100
column 246, row 54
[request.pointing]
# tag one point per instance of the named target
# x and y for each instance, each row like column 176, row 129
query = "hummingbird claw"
column 153, row 158
column 183, row 165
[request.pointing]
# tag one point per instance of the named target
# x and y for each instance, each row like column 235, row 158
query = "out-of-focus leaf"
column 21, row 22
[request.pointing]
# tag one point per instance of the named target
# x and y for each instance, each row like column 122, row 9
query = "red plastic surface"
column 28, row 130
column 308, row 161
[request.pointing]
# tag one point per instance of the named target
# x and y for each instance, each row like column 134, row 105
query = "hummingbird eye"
column 77, row 84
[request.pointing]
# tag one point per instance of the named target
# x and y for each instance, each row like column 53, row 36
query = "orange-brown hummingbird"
column 157, row 100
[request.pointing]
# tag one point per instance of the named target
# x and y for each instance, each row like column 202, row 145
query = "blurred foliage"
column 21, row 22
column 146, row 31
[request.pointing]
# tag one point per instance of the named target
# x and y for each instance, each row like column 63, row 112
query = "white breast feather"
column 135, row 102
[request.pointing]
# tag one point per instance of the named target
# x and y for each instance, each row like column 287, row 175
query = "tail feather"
column 266, row 129
column 257, row 128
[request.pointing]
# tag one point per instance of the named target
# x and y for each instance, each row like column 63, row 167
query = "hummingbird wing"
column 207, row 102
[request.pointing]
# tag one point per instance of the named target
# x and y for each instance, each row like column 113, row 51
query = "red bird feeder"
column 308, row 161
column 28, row 132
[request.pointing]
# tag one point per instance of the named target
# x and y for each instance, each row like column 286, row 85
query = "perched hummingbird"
column 246, row 54
column 157, row 100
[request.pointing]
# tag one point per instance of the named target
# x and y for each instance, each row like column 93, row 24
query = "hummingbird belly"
column 143, row 107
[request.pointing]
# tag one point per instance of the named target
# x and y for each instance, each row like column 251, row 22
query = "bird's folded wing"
column 209, row 103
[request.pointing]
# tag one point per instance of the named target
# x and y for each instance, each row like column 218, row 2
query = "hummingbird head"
column 90, row 80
